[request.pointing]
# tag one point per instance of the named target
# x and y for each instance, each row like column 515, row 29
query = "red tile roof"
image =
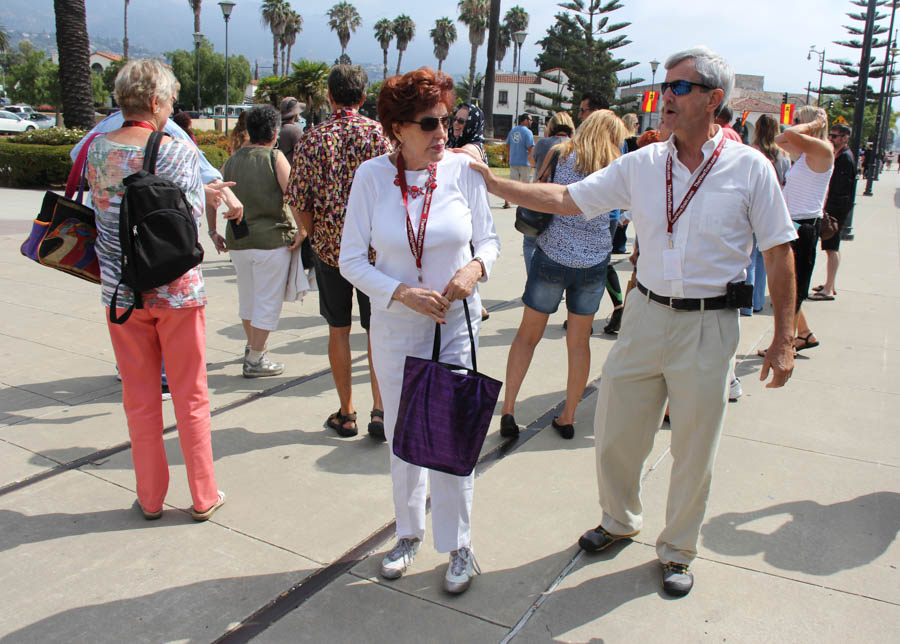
column 526, row 79
column 106, row 54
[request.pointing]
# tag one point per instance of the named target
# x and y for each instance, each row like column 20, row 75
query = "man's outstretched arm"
column 543, row 197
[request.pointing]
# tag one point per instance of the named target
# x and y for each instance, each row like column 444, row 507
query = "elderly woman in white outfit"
column 421, row 230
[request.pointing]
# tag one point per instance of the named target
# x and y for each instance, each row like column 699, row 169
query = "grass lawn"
column 501, row 172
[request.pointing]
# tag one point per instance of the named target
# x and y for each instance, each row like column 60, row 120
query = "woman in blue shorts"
column 571, row 257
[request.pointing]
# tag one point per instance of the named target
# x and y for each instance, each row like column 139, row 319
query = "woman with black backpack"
column 164, row 321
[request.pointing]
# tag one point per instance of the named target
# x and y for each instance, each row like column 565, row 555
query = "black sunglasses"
column 682, row 87
column 459, row 120
column 430, row 123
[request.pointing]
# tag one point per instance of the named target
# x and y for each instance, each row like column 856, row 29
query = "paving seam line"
column 811, row 451
column 121, row 447
column 297, row 595
column 392, row 588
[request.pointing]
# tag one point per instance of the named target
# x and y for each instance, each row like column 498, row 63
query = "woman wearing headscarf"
column 467, row 130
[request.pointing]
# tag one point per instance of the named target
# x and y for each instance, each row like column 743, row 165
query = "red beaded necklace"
column 430, row 182
column 143, row 124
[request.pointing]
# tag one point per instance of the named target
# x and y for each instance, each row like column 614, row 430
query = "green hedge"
column 215, row 155
column 496, row 155
column 34, row 166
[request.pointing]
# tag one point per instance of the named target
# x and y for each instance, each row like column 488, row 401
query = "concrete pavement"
column 800, row 541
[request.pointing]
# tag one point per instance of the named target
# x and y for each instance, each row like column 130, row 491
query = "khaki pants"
column 660, row 354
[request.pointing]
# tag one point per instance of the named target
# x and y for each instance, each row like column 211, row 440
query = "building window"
column 529, row 98
column 503, row 98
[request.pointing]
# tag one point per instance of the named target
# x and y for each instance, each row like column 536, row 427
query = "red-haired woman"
column 419, row 208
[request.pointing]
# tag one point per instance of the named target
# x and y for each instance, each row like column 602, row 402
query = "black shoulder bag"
column 532, row 223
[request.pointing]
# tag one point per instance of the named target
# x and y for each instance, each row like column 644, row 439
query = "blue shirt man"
column 520, row 151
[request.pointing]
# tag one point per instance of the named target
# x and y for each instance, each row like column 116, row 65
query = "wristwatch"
column 212, row 232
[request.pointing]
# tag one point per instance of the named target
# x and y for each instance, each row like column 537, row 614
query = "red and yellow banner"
column 744, row 117
column 787, row 113
column 649, row 102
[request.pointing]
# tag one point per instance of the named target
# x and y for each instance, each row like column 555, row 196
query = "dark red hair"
column 648, row 137
column 402, row 97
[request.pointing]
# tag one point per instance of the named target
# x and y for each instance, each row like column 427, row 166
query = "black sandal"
column 508, row 426
column 376, row 427
column 566, row 431
column 806, row 343
column 336, row 422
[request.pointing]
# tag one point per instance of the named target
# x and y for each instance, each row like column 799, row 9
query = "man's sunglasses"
column 835, row 135
column 682, row 87
column 430, row 123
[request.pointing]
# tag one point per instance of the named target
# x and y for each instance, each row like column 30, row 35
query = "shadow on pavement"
column 815, row 539
column 190, row 613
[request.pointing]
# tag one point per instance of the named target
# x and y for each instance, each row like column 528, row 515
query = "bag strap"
column 152, row 151
column 76, row 174
column 114, row 317
column 436, row 347
column 554, row 159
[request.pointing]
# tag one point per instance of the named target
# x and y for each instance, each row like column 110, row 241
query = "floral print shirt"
column 325, row 161
column 108, row 163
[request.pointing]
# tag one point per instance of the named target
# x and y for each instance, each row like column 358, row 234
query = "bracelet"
column 212, row 232
column 483, row 269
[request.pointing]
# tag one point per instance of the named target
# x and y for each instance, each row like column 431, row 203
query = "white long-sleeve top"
column 376, row 217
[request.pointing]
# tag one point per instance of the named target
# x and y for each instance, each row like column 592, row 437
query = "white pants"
column 261, row 279
column 682, row 356
column 395, row 336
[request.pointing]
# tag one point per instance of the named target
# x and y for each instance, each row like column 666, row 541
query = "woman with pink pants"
column 172, row 324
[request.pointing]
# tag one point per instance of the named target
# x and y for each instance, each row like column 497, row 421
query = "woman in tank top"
column 804, row 191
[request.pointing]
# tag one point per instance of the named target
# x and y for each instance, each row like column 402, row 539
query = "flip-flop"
column 762, row 352
column 820, row 297
column 821, row 287
column 806, row 343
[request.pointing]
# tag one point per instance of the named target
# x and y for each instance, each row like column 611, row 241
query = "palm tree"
column 4, row 39
column 344, row 19
column 195, row 7
column 73, row 45
column 474, row 14
column 504, row 40
column 443, row 35
column 274, row 14
column 292, row 28
column 384, row 34
column 516, row 19
column 125, row 38
column 405, row 30
column 309, row 83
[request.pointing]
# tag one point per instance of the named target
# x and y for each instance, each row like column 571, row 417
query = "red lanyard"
column 143, row 124
column 672, row 217
column 416, row 243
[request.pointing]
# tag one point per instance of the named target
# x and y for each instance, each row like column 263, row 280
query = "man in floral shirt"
column 325, row 160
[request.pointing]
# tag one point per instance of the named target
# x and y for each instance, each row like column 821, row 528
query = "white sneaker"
column 399, row 558
column 460, row 571
column 735, row 390
column 263, row 368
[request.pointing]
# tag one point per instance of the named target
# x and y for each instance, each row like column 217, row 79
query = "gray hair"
column 712, row 68
column 140, row 80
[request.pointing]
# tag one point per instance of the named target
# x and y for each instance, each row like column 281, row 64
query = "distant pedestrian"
column 838, row 204
column 290, row 131
column 183, row 120
column 520, row 151
column 723, row 120
column 326, row 160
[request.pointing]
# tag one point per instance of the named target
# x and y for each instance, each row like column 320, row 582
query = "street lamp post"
column 890, row 95
column 821, row 55
column 227, row 6
column 198, row 38
column 519, row 37
column 654, row 65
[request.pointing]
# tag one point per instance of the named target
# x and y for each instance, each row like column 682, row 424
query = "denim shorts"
column 547, row 280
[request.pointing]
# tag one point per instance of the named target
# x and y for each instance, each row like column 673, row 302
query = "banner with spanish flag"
column 744, row 117
column 649, row 102
column 787, row 113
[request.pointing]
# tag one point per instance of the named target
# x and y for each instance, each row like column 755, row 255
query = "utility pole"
column 882, row 105
column 490, row 72
column 862, row 83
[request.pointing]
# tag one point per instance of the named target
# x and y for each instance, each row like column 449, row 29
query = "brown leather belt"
column 686, row 303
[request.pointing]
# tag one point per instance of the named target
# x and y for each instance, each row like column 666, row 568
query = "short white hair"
column 713, row 69
column 140, row 80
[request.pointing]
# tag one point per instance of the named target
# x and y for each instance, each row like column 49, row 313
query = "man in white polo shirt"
column 680, row 327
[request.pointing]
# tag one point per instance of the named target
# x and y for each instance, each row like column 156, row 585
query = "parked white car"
column 13, row 123
column 21, row 109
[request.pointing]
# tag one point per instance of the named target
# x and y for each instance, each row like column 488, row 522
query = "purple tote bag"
column 445, row 411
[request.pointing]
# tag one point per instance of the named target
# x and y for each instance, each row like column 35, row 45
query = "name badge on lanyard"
column 672, row 259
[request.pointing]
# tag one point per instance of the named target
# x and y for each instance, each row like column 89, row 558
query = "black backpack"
column 157, row 232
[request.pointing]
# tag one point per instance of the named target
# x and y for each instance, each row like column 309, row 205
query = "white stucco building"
column 506, row 88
